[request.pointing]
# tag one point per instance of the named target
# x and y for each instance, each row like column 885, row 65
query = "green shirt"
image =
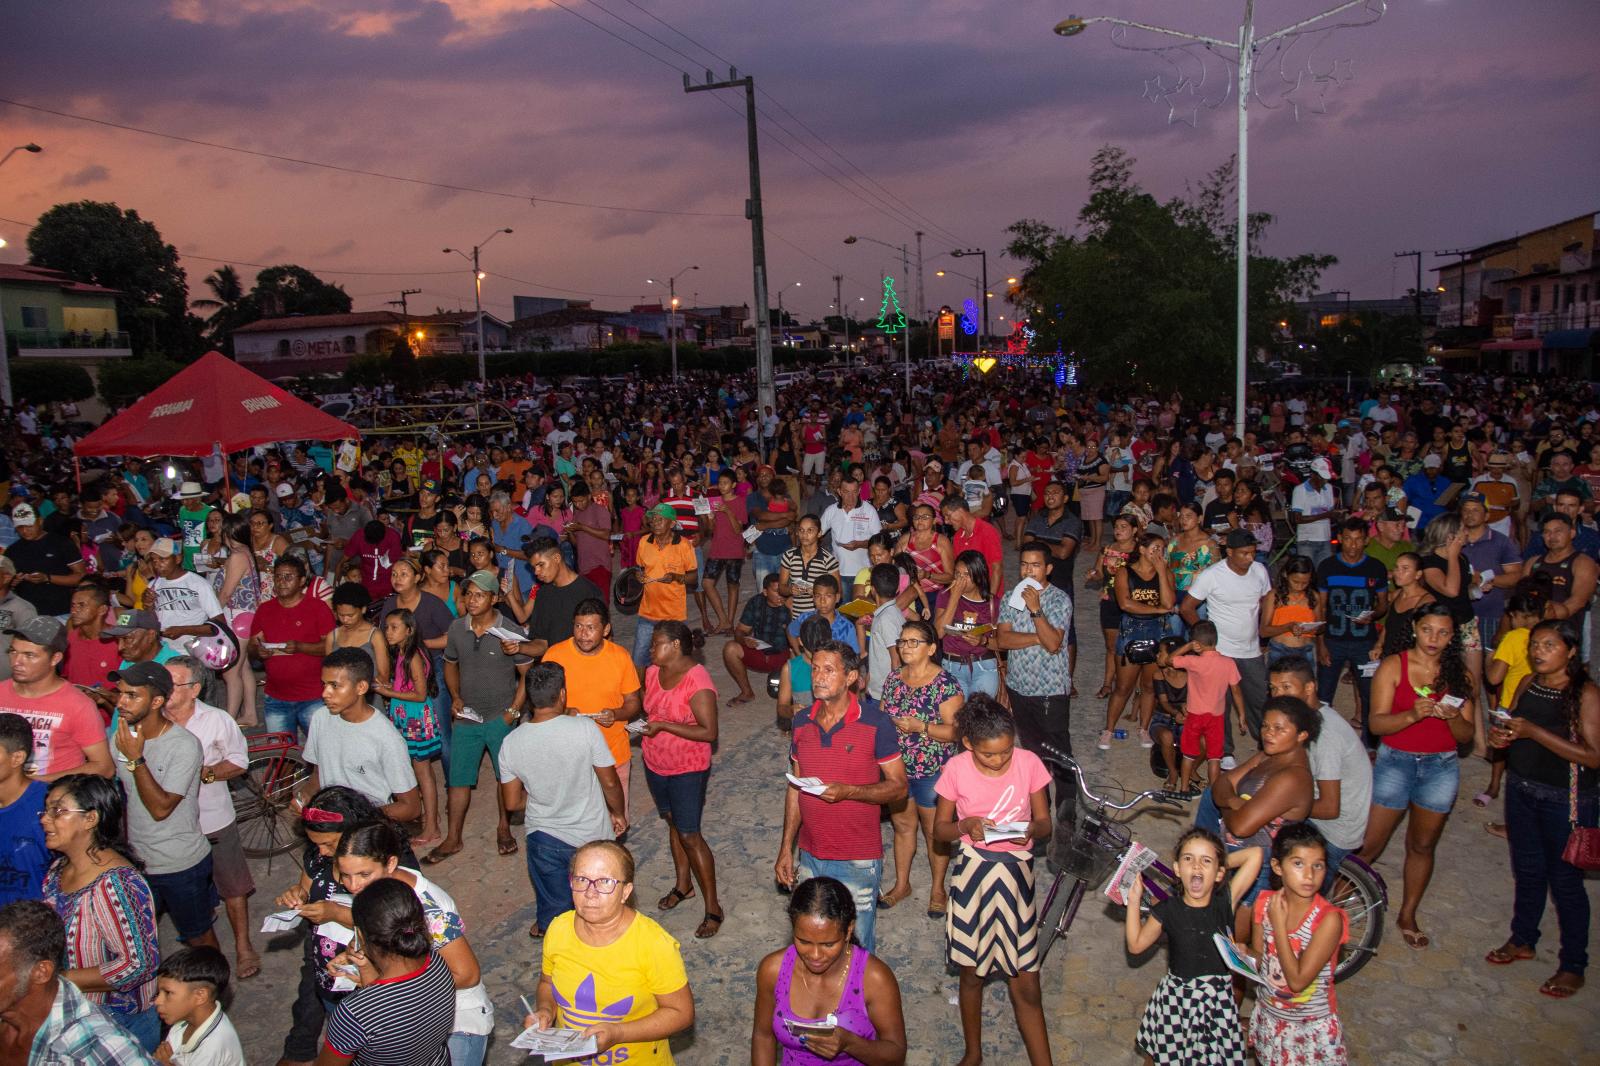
column 193, row 525
column 1387, row 556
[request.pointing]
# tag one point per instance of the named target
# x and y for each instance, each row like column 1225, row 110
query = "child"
column 1191, row 1016
column 1213, row 677
column 1524, row 609
column 1172, row 705
column 794, row 680
column 190, row 986
column 1297, row 934
column 631, row 519
column 990, row 922
column 408, row 692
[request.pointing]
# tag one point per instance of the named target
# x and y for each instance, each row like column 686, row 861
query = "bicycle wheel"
column 1357, row 892
column 261, row 797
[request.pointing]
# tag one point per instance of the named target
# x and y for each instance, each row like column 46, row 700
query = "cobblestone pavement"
column 1439, row 1005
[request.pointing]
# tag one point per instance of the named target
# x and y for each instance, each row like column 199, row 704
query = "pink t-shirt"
column 1007, row 797
column 1210, row 674
column 727, row 528
column 64, row 723
column 666, row 753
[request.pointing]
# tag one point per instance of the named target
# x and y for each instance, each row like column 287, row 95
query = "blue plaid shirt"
column 1033, row 671
column 78, row 1034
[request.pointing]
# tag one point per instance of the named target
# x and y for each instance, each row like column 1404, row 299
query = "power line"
column 447, row 186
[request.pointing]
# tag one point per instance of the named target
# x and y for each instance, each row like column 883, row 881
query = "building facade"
column 48, row 315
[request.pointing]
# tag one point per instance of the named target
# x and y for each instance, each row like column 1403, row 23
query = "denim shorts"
column 1401, row 779
column 680, row 797
column 1132, row 629
column 732, row 568
column 921, row 791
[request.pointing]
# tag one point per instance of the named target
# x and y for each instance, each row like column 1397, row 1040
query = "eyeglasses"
column 57, row 812
column 603, row 885
column 910, row 643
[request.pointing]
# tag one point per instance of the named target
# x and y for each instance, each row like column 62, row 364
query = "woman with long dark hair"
column 404, row 1001
column 1289, row 612
column 238, row 583
column 823, row 973
column 1552, row 745
column 961, row 614
column 1423, row 706
column 1145, row 597
column 104, row 901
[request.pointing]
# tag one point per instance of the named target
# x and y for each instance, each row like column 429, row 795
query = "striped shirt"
column 853, row 752
column 400, row 1021
column 803, row 574
column 111, row 926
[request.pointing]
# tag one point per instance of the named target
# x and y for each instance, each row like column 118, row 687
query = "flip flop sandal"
column 1555, row 991
column 1482, row 799
column 438, row 855
column 506, row 845
column 714, row 921
column 1501, row 957
column 1495, row 829
column 673, row 898
column 1415, row 939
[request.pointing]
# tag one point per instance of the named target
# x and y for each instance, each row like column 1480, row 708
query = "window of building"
column 283, row 349
column 1583, row 294
column 1533, row 298
column 35, row 318
column 349, row 345
column 1513, row 301
column 1571, row 296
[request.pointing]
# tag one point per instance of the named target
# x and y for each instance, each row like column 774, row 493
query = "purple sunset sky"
column 1466, row 121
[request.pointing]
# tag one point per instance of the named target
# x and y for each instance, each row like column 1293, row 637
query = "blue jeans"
column 980, row 675
column 290, row 716
column 468, row 1049
column 763, row 565
column 644, row 630
column 145, row 1026
column 1207, row 815
column 1537, row 828
column 1315, row 550
column 441, row 707
column 1352, row 654
column 1336, row 856
column 860, row 876
column 547, row 871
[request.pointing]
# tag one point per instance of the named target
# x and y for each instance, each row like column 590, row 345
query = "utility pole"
column 405, row 313
column 1416, row 293
column 765, row 394
column 838, row 305
column 922, row 303
column 477, row 293
column 983, row 293
column 1461, row 283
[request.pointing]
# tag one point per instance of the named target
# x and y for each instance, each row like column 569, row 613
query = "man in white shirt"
column 224, row 756
column 1341, row 771
column 979, row 479
column 1232, row 592
column 851, row 522
column 185, row 602
column 1310, row 508
column 1384, row 413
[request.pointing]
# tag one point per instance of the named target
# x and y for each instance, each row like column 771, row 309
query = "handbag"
column 1583, row 844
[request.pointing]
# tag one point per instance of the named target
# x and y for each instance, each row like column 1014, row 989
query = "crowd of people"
column 406, row 606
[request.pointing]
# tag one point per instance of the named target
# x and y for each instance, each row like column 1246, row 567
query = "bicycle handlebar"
column 1051, row 755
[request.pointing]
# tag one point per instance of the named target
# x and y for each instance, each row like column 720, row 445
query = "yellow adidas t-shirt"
column 1513, row 651
column 615, row 983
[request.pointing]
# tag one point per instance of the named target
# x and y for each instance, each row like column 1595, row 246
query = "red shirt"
column 64, row 723
column 984, row 539
column 851, row 754
column 294, row 677
column 89, row 661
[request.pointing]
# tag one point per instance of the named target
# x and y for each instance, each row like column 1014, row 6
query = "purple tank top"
column 851, row 1012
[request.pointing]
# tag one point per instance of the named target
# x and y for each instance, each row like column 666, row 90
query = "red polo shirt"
column 984, row 539
column 851, row 753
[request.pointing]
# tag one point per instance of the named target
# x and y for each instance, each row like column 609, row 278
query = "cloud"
column 92, row 174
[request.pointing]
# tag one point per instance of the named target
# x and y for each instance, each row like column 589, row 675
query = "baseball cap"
column 44, row 631
column 662, row 510
column 487, row 580
column 284, row 489
column 1432, row 460
column 164, row 546
column 1240, row 538
column 145, row 675
column 1322, row 468
column 433, row 487
column 131, row 621
column 1391, row 515
column 23, row 515
column 1474, row 497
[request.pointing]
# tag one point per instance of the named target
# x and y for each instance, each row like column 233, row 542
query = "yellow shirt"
column 1513, row 651
column 615, row 983
column 412, row 457
column 665, row 601
column 596, row 682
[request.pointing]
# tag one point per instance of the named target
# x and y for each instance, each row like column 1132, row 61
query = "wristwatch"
column 1035, row 614
column 208, row 776
column 135, row 763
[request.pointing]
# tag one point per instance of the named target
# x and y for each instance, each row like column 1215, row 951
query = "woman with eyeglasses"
column 922, row 700
column 103, row 899
column 607, row 969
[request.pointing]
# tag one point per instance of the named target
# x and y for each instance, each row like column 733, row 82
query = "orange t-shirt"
column 1210, row 675
column 665, row 600
column 597, row 682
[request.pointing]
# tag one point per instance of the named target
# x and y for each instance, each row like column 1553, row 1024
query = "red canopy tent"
column 210, row 403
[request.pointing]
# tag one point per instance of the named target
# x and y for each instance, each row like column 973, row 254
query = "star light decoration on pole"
column 1268, row 69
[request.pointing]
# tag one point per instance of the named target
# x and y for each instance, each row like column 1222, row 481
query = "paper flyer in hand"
column 281, row 921
column 555, row 1043
column 1236, row 960
column 812, row 785
column 802, row 1027
column 506, row 634
column 1015, row 600
column 636, row 727
column 1134, row 861
column 858, row 609
column 1006, row 831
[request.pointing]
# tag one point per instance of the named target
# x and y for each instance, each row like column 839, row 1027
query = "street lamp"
column 783, row 334
column 977, row 298
column 477, row 293
column 672, row 315
column 984, row 256
column 5, row 358
column 905, row 269
column 1245, row 51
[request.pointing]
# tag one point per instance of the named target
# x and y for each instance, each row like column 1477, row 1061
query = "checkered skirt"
column 1192, row 1022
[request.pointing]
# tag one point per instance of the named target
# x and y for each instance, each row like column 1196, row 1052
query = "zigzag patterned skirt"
column 991, row 921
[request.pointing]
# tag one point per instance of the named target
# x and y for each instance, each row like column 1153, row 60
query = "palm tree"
column 230, row 305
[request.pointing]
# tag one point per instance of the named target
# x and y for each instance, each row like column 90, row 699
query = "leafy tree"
column 403, row 363
column 122, row 381
column 294, row 290
column 230, row 306
column 1367, row 340
column 106, row 245
column 1146, row 289
column 50, row 382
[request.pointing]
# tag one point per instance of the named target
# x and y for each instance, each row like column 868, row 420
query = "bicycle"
column 262, row 794
column 1085, row 850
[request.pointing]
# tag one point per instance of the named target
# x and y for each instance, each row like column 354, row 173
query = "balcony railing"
column 70, row 338
column 1537, row 323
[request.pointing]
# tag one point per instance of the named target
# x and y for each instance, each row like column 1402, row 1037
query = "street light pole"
column 477, row 295
column 1245, row 48
column 672, row 314
column 905, row 268
column 5, row 354
column 983, row 304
